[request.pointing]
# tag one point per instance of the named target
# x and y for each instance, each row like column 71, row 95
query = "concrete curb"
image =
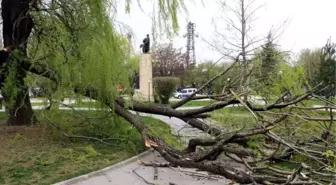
column 103, row 171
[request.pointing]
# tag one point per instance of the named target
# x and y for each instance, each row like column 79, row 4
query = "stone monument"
column 146, row 74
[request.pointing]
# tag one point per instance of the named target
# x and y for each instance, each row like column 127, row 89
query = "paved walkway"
column 137, row 174
column 179, row 127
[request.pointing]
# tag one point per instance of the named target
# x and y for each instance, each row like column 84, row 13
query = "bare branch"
column 186, row 100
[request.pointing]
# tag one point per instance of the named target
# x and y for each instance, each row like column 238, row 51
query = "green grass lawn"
column 233, row 118
column 41, row 155
column 195, row 103
column 239, row 117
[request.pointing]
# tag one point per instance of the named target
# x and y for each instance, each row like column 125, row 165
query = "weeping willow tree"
column 85, row 49
column 77, row 39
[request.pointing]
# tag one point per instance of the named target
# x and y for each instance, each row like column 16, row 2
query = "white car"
column 184, row 93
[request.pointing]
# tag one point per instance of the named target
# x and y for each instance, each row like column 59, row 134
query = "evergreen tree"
column 326, row 73
column 269, row 57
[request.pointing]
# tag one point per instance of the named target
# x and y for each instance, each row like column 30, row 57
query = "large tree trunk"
column 21, row 113
column 17, row 26
column 17, row 98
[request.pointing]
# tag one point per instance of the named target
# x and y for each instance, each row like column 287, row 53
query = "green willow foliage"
column 166, row 17
column 78, row 40
column 12, row 84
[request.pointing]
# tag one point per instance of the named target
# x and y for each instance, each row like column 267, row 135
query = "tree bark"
column 17, row 26
column 21, row 113
column 17, row 98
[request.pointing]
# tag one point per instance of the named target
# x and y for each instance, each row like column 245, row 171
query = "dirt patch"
column 26, row 131
column 27, row 164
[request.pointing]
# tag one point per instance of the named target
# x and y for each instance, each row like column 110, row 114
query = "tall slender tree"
column 237, row 37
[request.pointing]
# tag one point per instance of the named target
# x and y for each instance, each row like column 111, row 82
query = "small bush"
column 164, row 88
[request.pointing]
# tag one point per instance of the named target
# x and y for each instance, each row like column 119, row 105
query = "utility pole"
column 191, row 56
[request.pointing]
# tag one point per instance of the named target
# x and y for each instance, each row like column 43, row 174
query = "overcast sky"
column 311, row 23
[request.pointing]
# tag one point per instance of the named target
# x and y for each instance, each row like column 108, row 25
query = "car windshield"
column 183, row 91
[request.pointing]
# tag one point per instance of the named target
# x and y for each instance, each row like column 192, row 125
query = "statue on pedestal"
column 145, row 44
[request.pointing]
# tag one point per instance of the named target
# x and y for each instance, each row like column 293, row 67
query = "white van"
column 184, row 93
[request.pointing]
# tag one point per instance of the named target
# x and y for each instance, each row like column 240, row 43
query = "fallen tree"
column 221, row 141
column 313, row 157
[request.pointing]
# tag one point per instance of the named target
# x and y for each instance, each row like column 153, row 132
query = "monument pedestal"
column 145, row 78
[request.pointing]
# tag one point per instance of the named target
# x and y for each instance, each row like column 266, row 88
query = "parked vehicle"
column 36, row 92
column 177, row 93
column 184, row 93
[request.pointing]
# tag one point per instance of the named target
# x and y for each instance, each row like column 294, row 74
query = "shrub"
column 164, row 88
